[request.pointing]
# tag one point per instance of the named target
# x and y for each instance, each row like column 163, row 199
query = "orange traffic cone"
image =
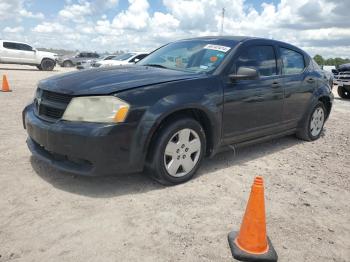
column 251, row 242
column 5, row 84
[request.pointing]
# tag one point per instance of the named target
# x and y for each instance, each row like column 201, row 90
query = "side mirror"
column 245, row 73
column 136, row 60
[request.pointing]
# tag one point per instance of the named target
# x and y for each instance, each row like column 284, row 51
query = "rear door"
column 11, row 53
column 299, row 82
column 253, row 108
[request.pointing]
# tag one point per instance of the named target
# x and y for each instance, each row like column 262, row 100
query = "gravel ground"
column 47, row 215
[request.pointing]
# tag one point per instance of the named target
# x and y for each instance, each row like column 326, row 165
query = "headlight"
column 101, row 109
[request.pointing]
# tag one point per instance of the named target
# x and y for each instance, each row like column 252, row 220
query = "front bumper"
column 343, row 83
column 82, row 148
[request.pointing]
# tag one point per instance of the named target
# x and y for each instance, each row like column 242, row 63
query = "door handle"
column 310, row 80
column 275, row 84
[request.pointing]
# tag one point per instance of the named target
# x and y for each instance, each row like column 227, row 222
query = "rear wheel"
column 47, row 64
column 312, row 126
column 343, row 93
column 177, row 152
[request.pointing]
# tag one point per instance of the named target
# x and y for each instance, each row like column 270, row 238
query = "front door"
column 28, row 54
column 253, row 108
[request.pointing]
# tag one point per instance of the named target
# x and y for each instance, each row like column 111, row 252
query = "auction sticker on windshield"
column 217, row 47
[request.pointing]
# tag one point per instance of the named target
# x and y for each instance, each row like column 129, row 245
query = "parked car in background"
column 84, row 64
column 328, row 68
column 91, row 63
column 165, row 115
column 13, row 52
column 124, row 59
column 343, row 82
column 70, row 61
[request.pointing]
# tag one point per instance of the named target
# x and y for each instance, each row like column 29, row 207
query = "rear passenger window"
column 293, row 62
column 10, row 45
column 261, row 58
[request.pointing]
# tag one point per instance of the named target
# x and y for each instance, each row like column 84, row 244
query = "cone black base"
column 239, row 254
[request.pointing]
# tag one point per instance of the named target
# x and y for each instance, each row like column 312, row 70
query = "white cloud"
column 55, row 28
column 16, row 29
column 135, row 17
column 14, row 9
column 76, row 12
column 27, row 14
column 319, row 26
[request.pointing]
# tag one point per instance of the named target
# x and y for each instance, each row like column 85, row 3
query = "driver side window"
column 262, row 58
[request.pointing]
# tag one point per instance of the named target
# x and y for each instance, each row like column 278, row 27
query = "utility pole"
column 222, row 21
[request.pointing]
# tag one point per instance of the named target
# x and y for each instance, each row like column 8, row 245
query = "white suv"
column 12, row 52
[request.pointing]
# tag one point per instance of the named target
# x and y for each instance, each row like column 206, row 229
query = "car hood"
column 103, row 81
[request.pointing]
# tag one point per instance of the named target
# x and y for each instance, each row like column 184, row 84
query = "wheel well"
column 196, row 114
column 327, row 103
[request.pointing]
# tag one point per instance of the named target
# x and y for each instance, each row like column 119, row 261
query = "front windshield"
column 123, row 57
column 189, row 55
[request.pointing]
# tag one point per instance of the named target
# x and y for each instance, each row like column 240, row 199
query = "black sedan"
column 186, row 100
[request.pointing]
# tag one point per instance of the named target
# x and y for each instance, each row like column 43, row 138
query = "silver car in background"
column 91, row 63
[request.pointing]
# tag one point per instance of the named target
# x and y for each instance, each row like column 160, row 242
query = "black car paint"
column 237, row 112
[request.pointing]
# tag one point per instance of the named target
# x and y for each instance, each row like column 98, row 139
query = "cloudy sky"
column 318, row 26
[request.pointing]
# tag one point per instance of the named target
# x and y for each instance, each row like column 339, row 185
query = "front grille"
column 50, row 111
column 51, row 105
column 56, row 97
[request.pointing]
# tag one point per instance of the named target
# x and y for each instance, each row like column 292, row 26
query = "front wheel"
column 343, row 93
column 312, row 125
column 47, row 65
column 177, row 152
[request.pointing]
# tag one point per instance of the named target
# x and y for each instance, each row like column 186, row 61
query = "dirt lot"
column 47, row 215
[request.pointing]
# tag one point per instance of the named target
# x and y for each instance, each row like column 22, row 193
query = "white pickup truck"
column 12, row 52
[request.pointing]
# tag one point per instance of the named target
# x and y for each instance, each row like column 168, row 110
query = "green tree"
column 319, row 60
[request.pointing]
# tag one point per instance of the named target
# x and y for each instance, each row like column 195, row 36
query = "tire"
column 68, row 63
column 179, row 164
column 47, row 64
column 343, row 93
column 39, row 67
column 312, row 125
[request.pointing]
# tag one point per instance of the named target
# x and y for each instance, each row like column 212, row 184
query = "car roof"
column 12, row 41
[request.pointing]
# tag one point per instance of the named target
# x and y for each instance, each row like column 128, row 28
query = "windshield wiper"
column 156, row 65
